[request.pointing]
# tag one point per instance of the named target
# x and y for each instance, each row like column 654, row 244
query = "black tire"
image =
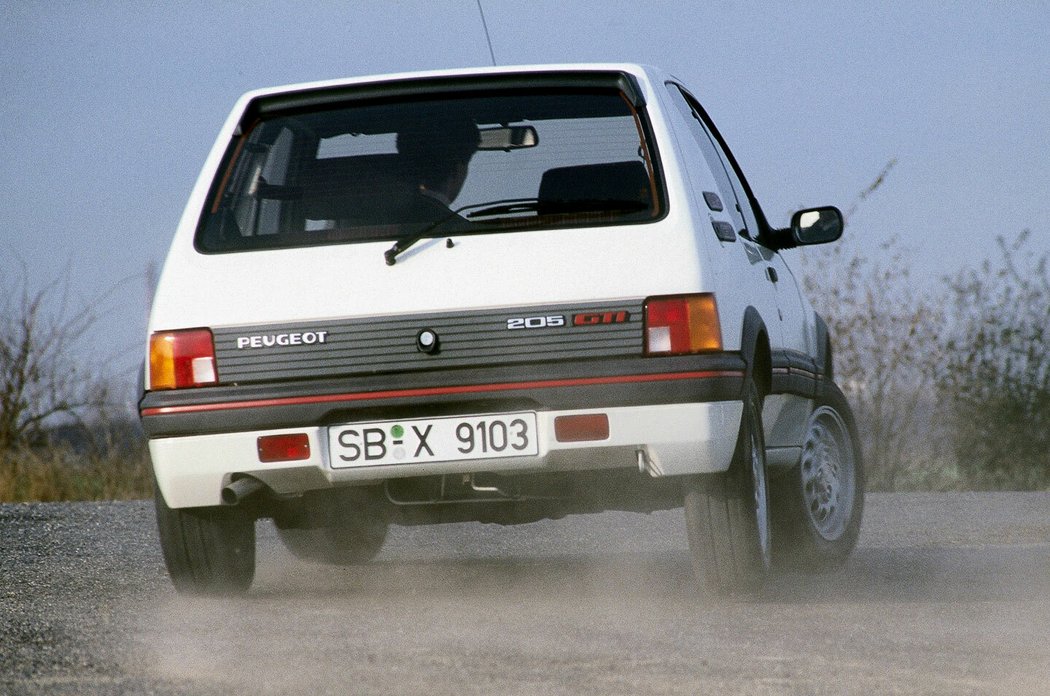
column 209, row 550
column 355, row 531
column 818, row 504
column 727, row 514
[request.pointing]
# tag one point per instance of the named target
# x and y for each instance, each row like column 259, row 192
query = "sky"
column 108, row 109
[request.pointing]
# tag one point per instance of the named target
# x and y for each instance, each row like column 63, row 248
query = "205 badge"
column 559, row 320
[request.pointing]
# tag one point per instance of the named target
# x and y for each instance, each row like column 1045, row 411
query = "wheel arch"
column 825, row 361
column 754, row 348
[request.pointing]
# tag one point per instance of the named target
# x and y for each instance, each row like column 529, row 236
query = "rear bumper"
column 674, row 439
column 681, row 413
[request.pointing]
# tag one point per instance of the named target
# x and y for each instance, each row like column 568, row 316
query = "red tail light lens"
column 283, row 448
column 682, row 324
column 180, row 359
column 590, row 426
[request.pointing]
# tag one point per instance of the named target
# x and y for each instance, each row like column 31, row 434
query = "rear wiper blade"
column 595, row 205
column 402, row 245
column 525, row 205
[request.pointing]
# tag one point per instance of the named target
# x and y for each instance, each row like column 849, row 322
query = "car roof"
column 641, row 71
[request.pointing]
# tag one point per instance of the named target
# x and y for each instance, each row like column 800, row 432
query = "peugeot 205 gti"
column 502, row 295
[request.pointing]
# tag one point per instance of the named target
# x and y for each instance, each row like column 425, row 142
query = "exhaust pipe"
column 241, row 489
column 645, row 462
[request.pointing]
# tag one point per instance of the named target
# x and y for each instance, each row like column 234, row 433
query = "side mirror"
column 817, row 225
column 508, row 138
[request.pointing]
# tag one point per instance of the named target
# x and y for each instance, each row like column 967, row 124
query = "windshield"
column 397, row 169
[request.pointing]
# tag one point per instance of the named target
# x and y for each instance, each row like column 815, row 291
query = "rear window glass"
column 476, row 163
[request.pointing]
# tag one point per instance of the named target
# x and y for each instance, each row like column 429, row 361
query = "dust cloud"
column 946, row 593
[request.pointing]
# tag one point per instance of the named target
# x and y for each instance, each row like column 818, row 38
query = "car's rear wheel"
column 350, row 529
column 818, row 504
column 727, row 514
column 209, row 550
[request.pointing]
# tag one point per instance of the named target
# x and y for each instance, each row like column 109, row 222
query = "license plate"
column 433, row 440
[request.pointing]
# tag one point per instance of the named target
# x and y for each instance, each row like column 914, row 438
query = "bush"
column 59, row 439
column 950, row 386
column 59, row 473
column 40, row 382
column 995, row 380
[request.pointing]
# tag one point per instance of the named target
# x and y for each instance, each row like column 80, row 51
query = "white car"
column 500, row 294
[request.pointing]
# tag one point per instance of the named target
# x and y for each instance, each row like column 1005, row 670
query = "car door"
column 792, row 310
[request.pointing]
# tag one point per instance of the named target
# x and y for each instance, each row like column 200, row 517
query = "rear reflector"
column 682, row 324
column 180, row 359
column 283, row 448
column 591, row 426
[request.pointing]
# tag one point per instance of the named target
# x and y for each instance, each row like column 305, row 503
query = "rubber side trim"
column 795, row 373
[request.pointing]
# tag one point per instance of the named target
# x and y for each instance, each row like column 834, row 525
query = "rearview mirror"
column 816, row 225
column 508, row 138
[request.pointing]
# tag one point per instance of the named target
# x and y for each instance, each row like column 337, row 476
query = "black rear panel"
column 475, row 338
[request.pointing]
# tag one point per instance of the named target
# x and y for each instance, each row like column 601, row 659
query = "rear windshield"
column 475, row 163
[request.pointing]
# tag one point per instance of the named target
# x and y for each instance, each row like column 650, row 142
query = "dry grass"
column 60, row 474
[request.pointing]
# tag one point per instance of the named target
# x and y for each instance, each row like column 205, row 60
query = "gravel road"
column 946, row 594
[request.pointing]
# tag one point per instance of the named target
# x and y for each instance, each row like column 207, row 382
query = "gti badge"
column 427, row 341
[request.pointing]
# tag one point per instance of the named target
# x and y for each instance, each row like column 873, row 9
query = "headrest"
column 593, row 187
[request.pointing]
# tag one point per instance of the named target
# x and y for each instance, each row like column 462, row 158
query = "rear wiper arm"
column 488, row 207
column 402, row 245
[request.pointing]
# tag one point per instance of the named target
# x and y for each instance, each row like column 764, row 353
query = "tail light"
column 682, row 324
column 180, row 359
